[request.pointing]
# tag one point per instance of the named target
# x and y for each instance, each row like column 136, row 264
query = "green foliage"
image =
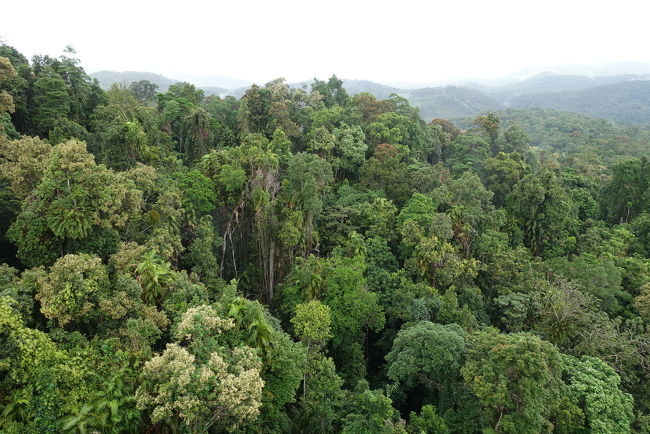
column 73, row 196
column 466, row 152
column 490, row 125
column 544, row 212
column 152, row 273
column 23, row 163
column 372, row 412
column 625, row 196
column 386, row 246
column 331, row 91
column 203, row 385
column 51, row 101
column 385, row 171
column 312, row 323
column 197, row 192
column 502, row 173
column 282, row 372
column 427, row 421
column 322, row 398
column 72, row 289
column 593, row 386
column 517, row 378
column 427, row 354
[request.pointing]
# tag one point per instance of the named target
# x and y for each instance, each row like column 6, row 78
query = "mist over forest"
column 210, row 255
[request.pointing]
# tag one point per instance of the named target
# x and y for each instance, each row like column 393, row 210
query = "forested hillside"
column 306, row 260
column 627, row 101
column 572, row 133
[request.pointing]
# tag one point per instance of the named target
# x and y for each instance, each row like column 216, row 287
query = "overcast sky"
column 387, row 41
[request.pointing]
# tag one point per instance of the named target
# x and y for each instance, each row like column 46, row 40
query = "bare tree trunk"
column 224, row 245
column 232, row 250
column 271, row 269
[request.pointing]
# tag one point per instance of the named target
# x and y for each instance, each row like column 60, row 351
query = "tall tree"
column 517, row 378
column 544, row 212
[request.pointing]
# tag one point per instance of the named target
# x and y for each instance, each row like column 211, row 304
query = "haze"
column 406, row 41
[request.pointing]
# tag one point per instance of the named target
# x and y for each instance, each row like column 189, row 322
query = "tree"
column 386, row 171
column 254, row 110
column 198, row 125
column 144, row 91
column 516, row 140
column 307, row 179
column 490, row 125
column 184, row 119
column 283, row 370
column 517, row 378
column 626, row 195
column 125, row 132
column 339, row 282
column 420, row 209
column 502, row 173
column 19, row 88
column 466, row 152
column 73, row 289
column 332, row 91
column 355, row 311
column 425, row 361
column 369, row 106
column 74, row 197
column 372, row 412
column 201, row 255
column 198, row 195
column 152, row 273
column 51, row 101
column 23, row 162
column 7, row 72
column 544, row 212
column 322, row 397
column 351, row 148
column 642, row 302
column 312, row 324
column 594, row 387
column 202, row 386
column 34, row 371
column 427, row 354
column 427, row 422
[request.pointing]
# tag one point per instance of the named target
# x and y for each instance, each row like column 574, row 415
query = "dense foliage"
column 303, row 260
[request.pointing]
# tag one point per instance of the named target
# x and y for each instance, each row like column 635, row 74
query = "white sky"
column 376, row 40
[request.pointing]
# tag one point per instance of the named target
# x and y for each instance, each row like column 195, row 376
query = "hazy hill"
column 220, row 91
column 549, row 82
column 592, row 70
column 450, row 101
column 210, row 81
column 107, row 78
column 381, row 91
column 546, row 82
column 627, row 101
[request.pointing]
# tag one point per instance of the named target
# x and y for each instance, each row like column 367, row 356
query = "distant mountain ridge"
column 107, row 78
column 219, row 85
column 626, row 101
column 622, row 98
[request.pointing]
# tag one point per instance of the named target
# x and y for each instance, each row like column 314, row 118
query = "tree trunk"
column 271, row 269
